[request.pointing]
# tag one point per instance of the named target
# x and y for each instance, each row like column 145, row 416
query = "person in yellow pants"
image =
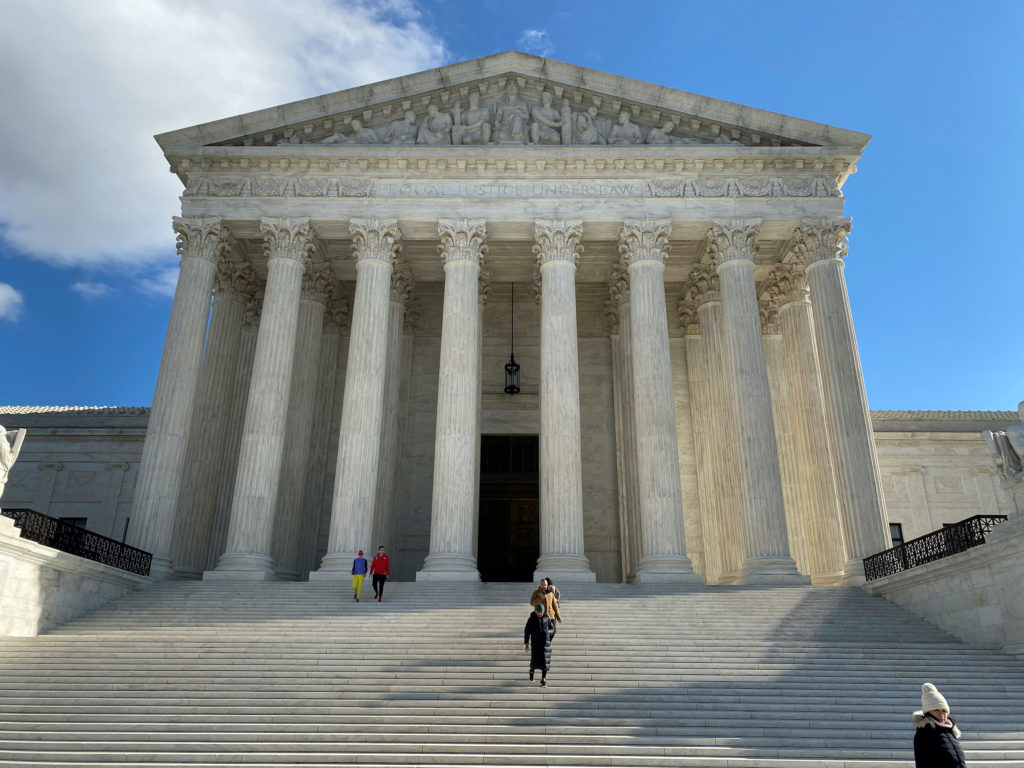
column 359, row 569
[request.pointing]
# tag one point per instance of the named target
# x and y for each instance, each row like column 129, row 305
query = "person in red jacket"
column 381, row 570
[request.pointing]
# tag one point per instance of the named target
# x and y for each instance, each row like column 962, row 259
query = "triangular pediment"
column 511, row 99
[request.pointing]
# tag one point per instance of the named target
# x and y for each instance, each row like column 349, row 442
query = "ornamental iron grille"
column 67, row 537
column 932, row 546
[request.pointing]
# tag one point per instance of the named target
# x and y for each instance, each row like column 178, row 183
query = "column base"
column 561, row 568
column 242, row 566
column 161, row 568
column 828, row 579
column 853, row 574
column 772, row 572
column 666, row 569
column 448, row 566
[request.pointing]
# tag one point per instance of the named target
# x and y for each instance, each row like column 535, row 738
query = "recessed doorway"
column 509, row 532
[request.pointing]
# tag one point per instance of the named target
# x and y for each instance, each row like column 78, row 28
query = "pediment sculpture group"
column 514, row 121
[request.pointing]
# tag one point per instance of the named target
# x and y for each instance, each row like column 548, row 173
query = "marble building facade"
column 691, row 407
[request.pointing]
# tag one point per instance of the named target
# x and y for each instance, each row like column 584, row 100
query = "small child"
column 538, row 632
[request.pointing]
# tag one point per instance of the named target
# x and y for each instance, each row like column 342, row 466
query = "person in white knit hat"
column 936, row 742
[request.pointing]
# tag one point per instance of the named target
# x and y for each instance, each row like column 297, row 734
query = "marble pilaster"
column 208, row 436
column 317, row 288
column 821, row 245
column 561, row 467
column 644, row 246
column 733, row 244
column 376, row 244
column 815, row 472
column 288, row 243
column 457, row 430
column 200, row 242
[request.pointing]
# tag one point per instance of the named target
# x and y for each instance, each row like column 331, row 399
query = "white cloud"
column 536, row 41
column 91, row 290
column 162, row 283
column 87, row 85
column 11, row 302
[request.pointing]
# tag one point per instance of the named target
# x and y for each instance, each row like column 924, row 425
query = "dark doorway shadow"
column 509, row 531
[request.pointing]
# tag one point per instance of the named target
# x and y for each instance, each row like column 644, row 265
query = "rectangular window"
column 79, row 522
column 896, row 532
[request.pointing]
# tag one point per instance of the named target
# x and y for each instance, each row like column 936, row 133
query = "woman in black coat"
column 538, row 633
column 936, row 741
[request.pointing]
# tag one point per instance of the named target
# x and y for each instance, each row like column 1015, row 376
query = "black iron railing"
column 932, row 546
column 51, row 532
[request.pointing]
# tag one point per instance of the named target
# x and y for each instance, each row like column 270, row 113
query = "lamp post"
column 512, row 367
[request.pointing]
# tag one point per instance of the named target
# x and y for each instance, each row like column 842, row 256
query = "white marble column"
column 236, row 420
column 335, row 316
column 561, row 467
column 200, row 243
column 402, row 286
column 724, row 539
column 617, row 313
column 815, row 472
column 644, row 246
column 821, row 245
column 288, row 243
column 197, row 504
column 457, row 431
column 317, row 288
column 355, row 479
column 733, row 245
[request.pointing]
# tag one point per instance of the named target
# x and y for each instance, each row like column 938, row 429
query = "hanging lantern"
column 512, row 367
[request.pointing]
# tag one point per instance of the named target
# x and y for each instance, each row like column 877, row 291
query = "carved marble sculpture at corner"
column 10, row 447
column 1007, row 448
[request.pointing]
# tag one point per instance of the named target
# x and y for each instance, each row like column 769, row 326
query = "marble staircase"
column 275, row 674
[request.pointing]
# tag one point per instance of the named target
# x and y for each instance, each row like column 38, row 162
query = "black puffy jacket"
column 538, row 633
column 937, row 745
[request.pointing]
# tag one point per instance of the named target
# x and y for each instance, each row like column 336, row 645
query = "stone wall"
column 41, row 588
column 974, row 595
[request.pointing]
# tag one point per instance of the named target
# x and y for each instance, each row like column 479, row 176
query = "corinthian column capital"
column 644, row 240
column 786, row 284
column 234, row 278
column 557, row 240
column 402, row 282
column 201, row 238
column 483, row 292
column 287, row 239
column 768, row 312
column 702, row 288
column 318, row 283
column 733, row 240
column 821, row 239
column 375, row 240
column 618, row 294
column 462, row 239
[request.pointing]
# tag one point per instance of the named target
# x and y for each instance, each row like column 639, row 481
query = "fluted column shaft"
column 643, row 245
column 815, row 473
column 822, row 245
column 198, row 502
column 733, row 244
column 236, row 421
column 317, row 286
column 250, row 532
column 355, row 479
column 561, row 467
column 456, row 438
column 200, row 242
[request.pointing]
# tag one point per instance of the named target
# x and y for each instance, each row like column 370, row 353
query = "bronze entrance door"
column 509, row 531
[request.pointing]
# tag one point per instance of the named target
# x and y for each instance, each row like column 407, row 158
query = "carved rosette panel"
column 618, row 294
column 787, row 283
column 557, row 240
column 462, row 239
column 201, row 238
column 375, row 239
column 285, row 238
column 403, row 285
column 821, row 239
column 733, row 240
column 644, row 240
column 318, row 283
column 336, row 315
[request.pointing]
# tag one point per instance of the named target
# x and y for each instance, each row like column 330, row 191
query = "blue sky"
column 935, row 267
